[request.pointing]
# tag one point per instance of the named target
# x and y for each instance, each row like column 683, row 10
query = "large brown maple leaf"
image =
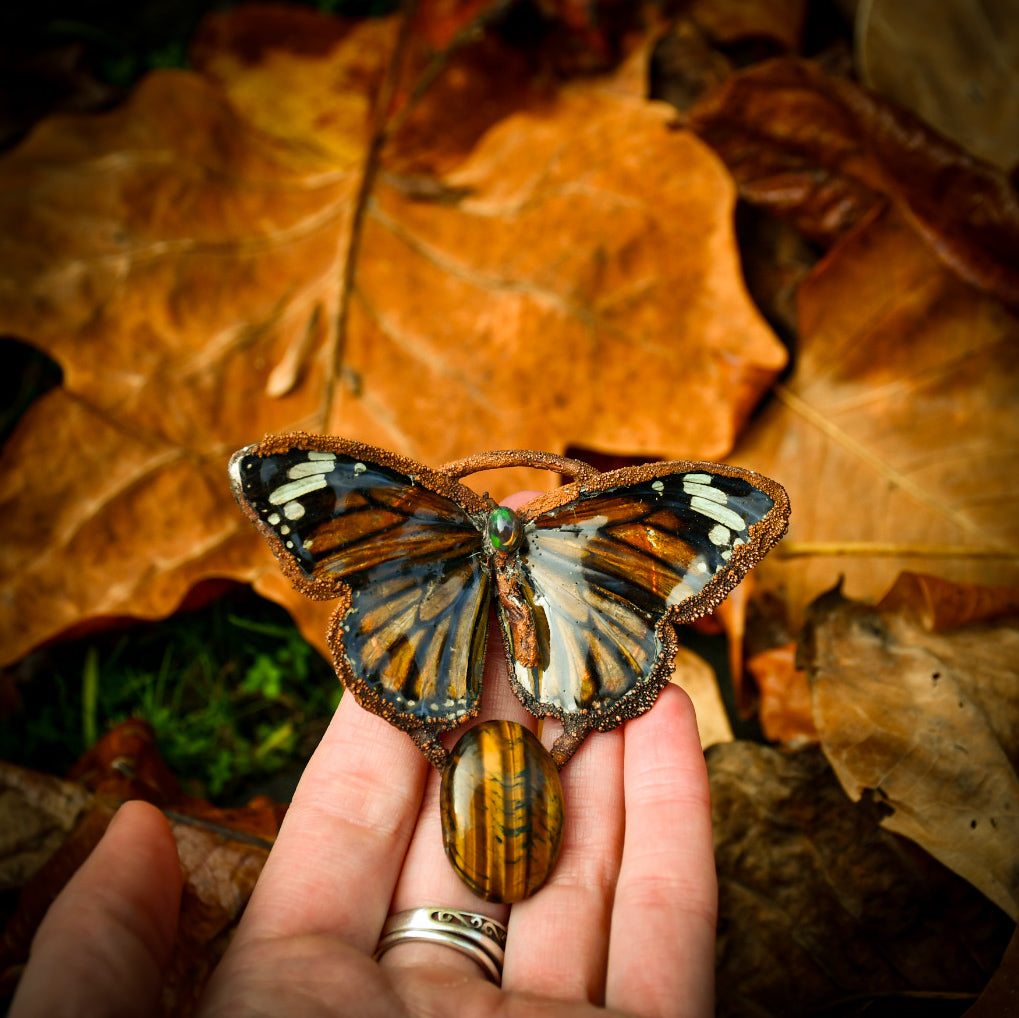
column 265, row 244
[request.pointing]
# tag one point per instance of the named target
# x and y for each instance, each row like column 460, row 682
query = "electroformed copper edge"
column 499, row 458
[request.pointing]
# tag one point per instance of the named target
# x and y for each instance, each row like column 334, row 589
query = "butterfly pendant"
column 588, row 582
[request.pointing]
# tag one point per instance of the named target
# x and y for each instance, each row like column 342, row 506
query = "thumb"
column 102, row 947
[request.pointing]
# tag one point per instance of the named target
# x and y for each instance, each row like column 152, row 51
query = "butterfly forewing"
column 604, row 569
column 409, row 636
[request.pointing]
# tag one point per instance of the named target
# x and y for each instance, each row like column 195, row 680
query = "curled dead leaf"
column 929, row 723
column 940, row 604
column 825, row 152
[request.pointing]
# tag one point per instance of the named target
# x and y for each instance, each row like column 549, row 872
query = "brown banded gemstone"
column 502, row 811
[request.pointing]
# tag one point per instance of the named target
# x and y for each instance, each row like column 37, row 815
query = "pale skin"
column 624, row 926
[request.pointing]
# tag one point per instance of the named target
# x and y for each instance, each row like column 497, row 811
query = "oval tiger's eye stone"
column 504, row 529
column 502, row 811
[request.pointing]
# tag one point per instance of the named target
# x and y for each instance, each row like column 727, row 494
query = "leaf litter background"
column 447, row 238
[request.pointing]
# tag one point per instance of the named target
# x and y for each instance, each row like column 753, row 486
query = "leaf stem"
column 383, row 101
column 878, row 549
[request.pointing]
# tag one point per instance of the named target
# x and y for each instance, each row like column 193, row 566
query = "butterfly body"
column 588, row 581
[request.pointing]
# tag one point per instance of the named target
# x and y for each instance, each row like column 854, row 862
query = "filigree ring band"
column 481, row 939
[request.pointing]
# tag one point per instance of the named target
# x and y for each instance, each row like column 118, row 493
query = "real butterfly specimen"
column 588, row 583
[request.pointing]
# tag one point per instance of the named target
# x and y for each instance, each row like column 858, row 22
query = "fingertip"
column 137, row 827
column 519, row 498
column 666, row 899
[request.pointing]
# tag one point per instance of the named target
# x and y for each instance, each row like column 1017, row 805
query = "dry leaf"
column 937, row 603
column 125, row 764
column 824, row 152
column 930, row 723
column 896, row 436
column 273, row 62
column 697, row 678
column 820, row 908
column 784, row 709
column 37, row 812
column 959, row 70
column 184, row 259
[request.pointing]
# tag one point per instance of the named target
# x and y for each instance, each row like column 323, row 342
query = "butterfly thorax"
column 521, row 618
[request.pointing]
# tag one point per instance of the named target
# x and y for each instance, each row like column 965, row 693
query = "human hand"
column 625, row 922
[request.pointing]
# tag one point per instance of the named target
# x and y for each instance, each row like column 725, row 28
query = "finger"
column 575, row 906
column 661, row 953
column 428, row 879
column 341, row 847
column 103, row 945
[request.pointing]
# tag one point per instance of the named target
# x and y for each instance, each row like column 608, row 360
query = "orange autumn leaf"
column 784, row 705
column 937, row 603
column 210, row 262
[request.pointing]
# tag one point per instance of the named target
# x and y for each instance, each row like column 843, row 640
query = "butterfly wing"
column 398, row 545
column 610, row 569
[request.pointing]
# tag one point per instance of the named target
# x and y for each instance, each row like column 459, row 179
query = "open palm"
column 625, row 924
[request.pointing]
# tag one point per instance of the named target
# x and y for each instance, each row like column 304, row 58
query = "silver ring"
column 481, row 939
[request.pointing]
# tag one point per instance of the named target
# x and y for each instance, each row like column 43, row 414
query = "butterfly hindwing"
column 611, row 569
column 405, row 559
